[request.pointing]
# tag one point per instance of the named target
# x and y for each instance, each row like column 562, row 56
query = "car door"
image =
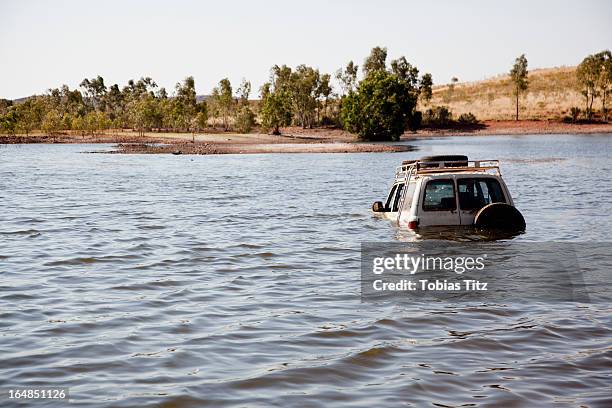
column 438, row 204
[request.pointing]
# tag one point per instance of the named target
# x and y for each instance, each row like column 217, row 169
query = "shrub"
column 415, row 120
column 575, row 113
column 467, row 119
column 245, row 120
column 380, row 108
column 437, row 116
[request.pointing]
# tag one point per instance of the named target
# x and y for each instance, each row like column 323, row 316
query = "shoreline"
column 294, row 139
column 519, row 128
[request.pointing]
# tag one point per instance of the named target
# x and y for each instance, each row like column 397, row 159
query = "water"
column 178, row 281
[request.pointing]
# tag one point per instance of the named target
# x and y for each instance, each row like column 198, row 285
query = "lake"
column 190, row 281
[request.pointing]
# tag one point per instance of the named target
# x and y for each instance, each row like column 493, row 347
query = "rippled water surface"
column 189, row 281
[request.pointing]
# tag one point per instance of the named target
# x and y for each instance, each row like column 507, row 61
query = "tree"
column 380, row 108
column 243, row 92
column 304, row 88
column 147, row 114
column 518, row 75
column 30, row 114
column 376, row 61
column 604, row 82
column 588, row 73
column 52, row 122
column 115, row 104
column 78, row 124
column 405, row 71
column 451, row 89
column 245, row 118
column 183, row 107
column 95, row 121
column 9, row 121
column 348, row 77
column 325, row 90
column 275, row 108
column 425, row 88
column 95, row 91
column 5, row 105
column 223, row 100
column 200, row 120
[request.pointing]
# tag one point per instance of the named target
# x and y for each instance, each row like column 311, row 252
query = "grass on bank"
column 551, row 95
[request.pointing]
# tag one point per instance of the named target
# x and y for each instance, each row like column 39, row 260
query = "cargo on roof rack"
column 414, row 168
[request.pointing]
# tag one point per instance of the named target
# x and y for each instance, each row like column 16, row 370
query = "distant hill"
column 552, row 93
column 21, row 100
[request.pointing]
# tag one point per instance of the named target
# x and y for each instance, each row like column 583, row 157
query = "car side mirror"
column 378, row 206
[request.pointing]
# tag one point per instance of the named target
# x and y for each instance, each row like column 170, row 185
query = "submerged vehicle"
column 450, row 191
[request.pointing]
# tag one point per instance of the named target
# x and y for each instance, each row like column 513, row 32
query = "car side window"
column 390, row 198
column 439, row 196
column 475, row 193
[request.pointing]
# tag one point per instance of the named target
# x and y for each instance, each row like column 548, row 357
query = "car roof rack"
column 413, row 168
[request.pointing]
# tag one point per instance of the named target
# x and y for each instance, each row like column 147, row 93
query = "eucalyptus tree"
column 9, row 120
column 304, row 92
column 223, row 101
column 243, row 92
column 520, row 82
column 588, row 73
column 52, row 122
column 94, row 91
column 347, row 77
column 275, row 106
column 65, row 103
column 115, row 102
column 184, row 104
column 244, row 119
column 376, row 61
column 325, row 91
column 30, row 114
column 604, row 82
column 425, row 88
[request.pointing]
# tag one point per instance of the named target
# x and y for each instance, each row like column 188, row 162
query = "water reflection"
column 456, row 233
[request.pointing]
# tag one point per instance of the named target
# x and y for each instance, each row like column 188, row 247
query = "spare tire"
column 461, row 159
column 500, row 216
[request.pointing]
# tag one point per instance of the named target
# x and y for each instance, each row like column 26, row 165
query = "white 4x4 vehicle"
column 450, row 190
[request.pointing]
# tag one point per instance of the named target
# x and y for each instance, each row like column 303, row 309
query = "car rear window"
column 475, row 193
column 439, row 196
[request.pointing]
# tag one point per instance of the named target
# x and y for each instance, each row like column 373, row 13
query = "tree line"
column 300, row 96
column 379, row 104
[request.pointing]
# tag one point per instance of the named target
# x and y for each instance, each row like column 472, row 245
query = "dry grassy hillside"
column 551, row 94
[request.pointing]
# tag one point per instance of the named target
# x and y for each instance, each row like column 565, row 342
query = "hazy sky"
column 45, row 44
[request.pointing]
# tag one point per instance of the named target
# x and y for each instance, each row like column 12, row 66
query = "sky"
column 45, row 44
